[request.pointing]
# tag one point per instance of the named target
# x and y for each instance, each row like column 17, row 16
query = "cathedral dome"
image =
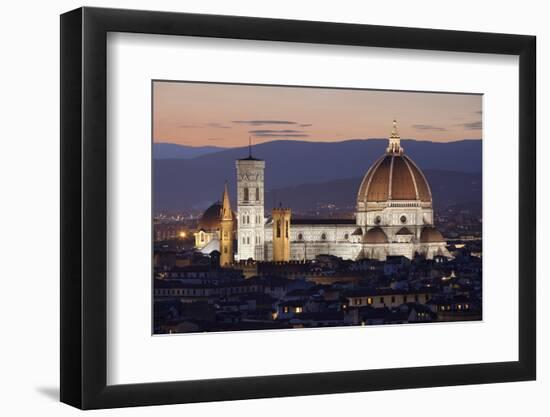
column 210, row 219
column 376, row 235
column 431, row 235
column 394, row 176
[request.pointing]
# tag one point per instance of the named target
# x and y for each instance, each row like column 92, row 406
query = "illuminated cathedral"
column 394, row 216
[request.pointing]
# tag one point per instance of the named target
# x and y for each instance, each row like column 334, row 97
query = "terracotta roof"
column 376, row 235
column 394, row 177
column 431, row 235
column 210, row 219
column 404, row 231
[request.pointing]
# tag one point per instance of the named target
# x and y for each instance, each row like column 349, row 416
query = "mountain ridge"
column 166, row 150
column 181, row 184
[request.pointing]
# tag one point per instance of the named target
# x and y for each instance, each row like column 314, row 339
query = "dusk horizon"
column 226, row 115
column 314, row 141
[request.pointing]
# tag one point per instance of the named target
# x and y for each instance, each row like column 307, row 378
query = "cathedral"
column 394, row 216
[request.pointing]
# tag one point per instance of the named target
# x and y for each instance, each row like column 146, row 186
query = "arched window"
column 300, row 236
column 286, row 229
column 278, row 228
column 245, row 197
column 346, row 236
column 258, row 194
column 324, row 236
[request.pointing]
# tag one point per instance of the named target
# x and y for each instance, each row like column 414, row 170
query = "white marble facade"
column 394, row 215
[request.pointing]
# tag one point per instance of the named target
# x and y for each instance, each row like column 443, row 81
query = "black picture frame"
column 84, row 207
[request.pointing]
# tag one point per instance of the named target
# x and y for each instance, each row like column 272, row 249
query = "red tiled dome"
column 431, row 235
column 376, row 235
column 394, row 177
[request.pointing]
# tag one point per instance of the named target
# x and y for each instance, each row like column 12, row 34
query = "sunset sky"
column 225, row 115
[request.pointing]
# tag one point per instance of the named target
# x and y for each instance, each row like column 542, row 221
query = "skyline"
column 226, row 115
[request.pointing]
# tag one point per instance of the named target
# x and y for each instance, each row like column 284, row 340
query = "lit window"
column 369, row 301
column 299, row 309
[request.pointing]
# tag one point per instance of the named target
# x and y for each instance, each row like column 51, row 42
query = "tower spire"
column 394, row 145
column 226, row 230
column 227, row 213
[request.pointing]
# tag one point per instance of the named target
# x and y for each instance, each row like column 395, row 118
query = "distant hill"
column 197, row 182
column 172, row 150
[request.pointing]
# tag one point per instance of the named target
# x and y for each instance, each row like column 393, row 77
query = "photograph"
column 268, row 209
column 292, row 207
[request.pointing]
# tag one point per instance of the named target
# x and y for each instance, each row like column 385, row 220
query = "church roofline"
column 321, row 221
column 249, row 158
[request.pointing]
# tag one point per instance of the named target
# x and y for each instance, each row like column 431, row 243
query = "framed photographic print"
column 334, row 207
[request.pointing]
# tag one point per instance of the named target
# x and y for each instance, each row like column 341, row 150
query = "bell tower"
column 226, row 230
column 250, row 207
